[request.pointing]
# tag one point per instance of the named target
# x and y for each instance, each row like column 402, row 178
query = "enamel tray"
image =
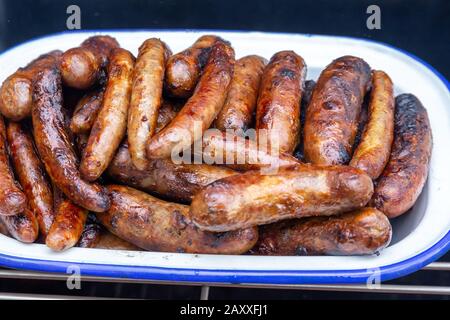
column 420, row 237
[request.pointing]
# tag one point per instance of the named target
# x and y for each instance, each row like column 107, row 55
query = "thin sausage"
column 86, row 111
column 22, row 226
column 92, row 232
column 299, row 153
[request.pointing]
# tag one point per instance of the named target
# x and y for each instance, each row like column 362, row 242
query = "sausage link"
column 111, row 123
column 278, row 106
column 90, row 237
column 156, row 225
column 201, row 109
column 16, row 91
column 3, row 228
column 55, row 147
column 22, row 226
column 86, row 112
column 167, row 112
column 374, row 149
column 299, row 153
column 251, row 199
column 332, row 118
column 146, row 97
column 404, row 176
column 361, row 232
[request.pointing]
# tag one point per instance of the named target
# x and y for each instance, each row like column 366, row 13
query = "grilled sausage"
column 237, row 112
column 16, row 91
column 111, row 242
column 86, row 111
column 146, row 98
column 200, row 110
column 361, row 232
column 22, row 226
column 54, row 145
column 92, row 232
column 306, row 98
column 167, row 112
column 278, row 106
column 32, row 176
column 331, row 120
column 156, row 225
column 374, row 149
column 403, row 179
column 81, row 67
column 111, row 123
column 251, row 199
column 184, row 68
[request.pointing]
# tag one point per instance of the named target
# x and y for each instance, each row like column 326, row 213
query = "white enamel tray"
column 420, row 236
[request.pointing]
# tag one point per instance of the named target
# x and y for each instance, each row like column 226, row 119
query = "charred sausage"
column 92, row 232
column 306, row 98
column 22, row 226
column 86, row 112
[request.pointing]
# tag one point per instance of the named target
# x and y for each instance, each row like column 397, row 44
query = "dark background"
column 418, row 26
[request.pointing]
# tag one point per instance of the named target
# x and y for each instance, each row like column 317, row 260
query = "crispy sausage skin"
column 22, row 226
column 146, row 97
column 111, row 123
column 251, row 199
column 404, row 176
column 201, row 109
column 86, row 111
column 306, row 98
column 92, row 232
column 31, row 174
column 184, row 68
column 278, row 106
column 156, row 225
column 332, row 118
column 16, row 91
column 361, row 232
column 81, row 67
column 374, row 149
column 237, row 112
column 55, row 147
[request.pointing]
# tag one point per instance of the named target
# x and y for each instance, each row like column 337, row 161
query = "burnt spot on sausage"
column 287, row 73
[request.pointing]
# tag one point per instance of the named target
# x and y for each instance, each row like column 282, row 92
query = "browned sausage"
column 167, row 112
column 306, row 98
column 146, row 98
column 403, row 179
column 200, row 110
column 22, row 226
column 32, row 176
column 237, row 112
column 156, row 225
column 331, row 121
column 374, row 149
column 54, row 145
column 361, row 232
column 86, row 111
column 92, row 232
column 111, row 242
column 81, row 67
column 111, row 123
column 278, row 107
column 183, row 69
column 251, row 199
column 16, row 91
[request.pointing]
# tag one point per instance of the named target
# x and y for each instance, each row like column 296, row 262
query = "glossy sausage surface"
column 22, row 226
column 86, row 111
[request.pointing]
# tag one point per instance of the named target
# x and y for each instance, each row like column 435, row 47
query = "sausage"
column 55, row 147
column 167, row 112
column 406, row 172
column 90, row 237
column 184, row 68
column 361, row 232
column 68, row 226
column 331, row 121
column 156, row 225
column 237, row 112
column 146, row 97
column 81, row 67
column 16, row 91
column 374, row 149
column 201, row 109
column 306, row 98
column 177, row 182
column 111, row 242
column 278, row 106
column 251, row 199
column 31, row 174
column 22, row 226
column 12, row 199
column 111, row 123
column 86, row 111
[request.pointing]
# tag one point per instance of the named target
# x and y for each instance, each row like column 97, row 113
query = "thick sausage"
column 184, row 68
column 146, row 97
column 306, row 98
column 333, row 113
column 403, row 179
column 278, row 106
column 111, row 123
column 81, row 67
column 201, row 109
column 156, row 225
column 31, row 174
column 361, row 232
column 237, row 112
column 54, row 145
column 86, row 112
column 16, row 91
column 22, row 226
column 374, row 149
column 251, row 199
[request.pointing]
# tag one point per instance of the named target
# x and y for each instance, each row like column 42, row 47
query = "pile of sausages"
column 87, row 139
